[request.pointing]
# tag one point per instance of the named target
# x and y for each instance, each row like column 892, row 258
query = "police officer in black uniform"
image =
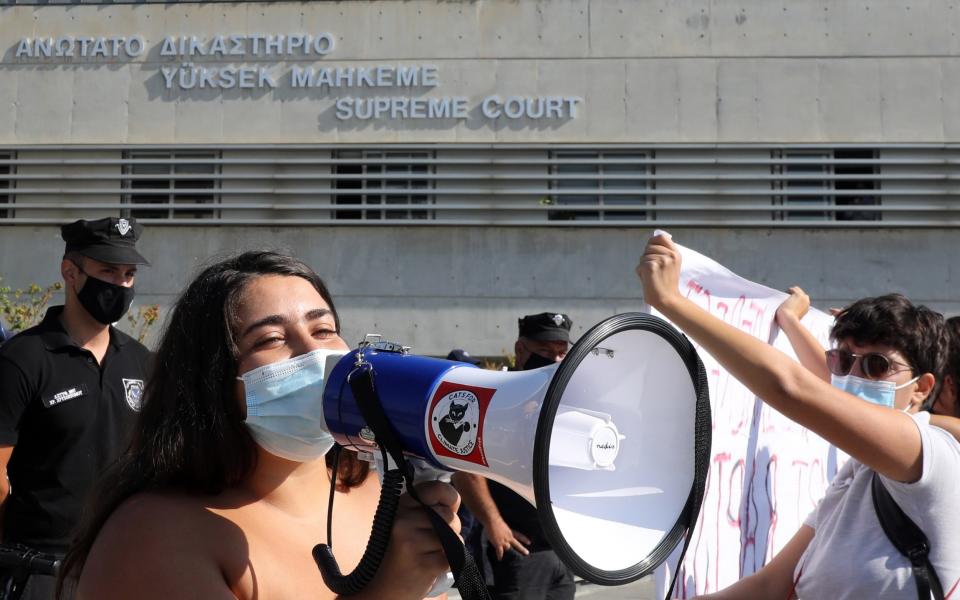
column 519, row 563
column 70, row 389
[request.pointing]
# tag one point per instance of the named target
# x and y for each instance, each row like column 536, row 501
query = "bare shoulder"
column 160, row 545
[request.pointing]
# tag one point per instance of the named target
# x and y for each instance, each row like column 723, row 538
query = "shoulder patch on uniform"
column 133, row 391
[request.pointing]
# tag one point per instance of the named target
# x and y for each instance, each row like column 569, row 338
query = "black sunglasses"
column 873, row 364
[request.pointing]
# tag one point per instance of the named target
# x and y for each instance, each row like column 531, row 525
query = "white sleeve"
column 838, row 486
column 939, row 484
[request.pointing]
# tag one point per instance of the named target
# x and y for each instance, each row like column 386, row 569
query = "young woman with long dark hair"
column 212, row 499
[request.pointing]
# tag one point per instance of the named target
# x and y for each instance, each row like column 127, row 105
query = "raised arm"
column 807, row 348
column 885, row 440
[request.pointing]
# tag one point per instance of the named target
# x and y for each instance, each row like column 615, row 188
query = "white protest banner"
column 766, row 472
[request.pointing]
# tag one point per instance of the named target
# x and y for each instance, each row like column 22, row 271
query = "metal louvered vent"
column 504, row 185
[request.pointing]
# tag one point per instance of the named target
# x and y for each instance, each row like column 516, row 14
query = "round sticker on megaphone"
column 456, row 421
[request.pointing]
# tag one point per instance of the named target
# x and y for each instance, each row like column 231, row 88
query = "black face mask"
column 106, row 302
column 536, row 361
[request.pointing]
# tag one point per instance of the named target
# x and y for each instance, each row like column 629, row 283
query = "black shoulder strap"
column 908, row 539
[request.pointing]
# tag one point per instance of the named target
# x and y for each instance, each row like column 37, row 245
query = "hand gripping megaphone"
column 611, row 445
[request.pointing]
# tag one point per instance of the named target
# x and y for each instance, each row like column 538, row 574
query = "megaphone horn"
column 611, row 445
column 612, row 527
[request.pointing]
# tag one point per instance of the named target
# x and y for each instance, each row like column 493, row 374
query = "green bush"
column 21, row 308
column 142, row 320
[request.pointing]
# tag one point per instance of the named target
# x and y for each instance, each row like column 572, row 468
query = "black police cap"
column 110, row 240
column 462, row 356
column 546, row 327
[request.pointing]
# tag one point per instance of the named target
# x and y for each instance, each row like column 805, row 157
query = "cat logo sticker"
column 456, row 421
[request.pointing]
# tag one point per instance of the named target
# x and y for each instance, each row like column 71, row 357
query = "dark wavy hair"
column 953, row 364
column 190, row 433
column 915, row 331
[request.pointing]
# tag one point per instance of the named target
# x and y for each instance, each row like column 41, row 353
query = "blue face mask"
column 285, row 406
column 878, row 392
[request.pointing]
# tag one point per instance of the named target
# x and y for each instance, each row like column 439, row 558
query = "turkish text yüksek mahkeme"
column 189, row 76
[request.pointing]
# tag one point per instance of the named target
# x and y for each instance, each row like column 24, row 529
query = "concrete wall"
column 647, row 71
column 439, row 288
column 654, row 71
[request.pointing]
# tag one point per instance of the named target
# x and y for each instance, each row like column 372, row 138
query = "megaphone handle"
column 468, row 580
column 422, row 472
column 346, row 585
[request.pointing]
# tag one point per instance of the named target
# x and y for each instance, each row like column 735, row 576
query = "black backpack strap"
column 908, row 539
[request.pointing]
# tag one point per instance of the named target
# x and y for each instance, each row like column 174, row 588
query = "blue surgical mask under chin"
column 877, row 392
column 285, row 406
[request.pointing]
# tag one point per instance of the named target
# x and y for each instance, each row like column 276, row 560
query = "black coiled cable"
column 347, row 585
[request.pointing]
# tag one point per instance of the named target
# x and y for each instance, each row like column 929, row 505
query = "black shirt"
column 519, row 514
column 68, row 418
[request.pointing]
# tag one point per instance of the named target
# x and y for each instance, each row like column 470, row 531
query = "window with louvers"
column 828, row 179
column 6, row 185
column 180, row 185
column 602, row 180
column 376, row 185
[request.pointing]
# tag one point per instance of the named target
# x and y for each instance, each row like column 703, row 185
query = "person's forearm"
column 6, row 453
column 807, row 348
column 374, row 593
column 767, row 372
column 882, row 439
column 475, row 493
column 748, row 588
column 4, row 494
column 776, row 578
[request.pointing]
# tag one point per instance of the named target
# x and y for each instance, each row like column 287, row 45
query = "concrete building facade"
column 449, row 166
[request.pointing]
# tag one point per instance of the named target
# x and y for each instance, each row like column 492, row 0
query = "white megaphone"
column 611, row 445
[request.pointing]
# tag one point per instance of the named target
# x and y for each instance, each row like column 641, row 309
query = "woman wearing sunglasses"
column 223, row 491
column 835, row 365
column 891, row 356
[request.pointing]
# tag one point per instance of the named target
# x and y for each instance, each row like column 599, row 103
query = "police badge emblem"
column 133, row 391
column 558, row 319
column 123, row 226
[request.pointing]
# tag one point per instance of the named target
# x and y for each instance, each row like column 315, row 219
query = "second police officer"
column 518, row 559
